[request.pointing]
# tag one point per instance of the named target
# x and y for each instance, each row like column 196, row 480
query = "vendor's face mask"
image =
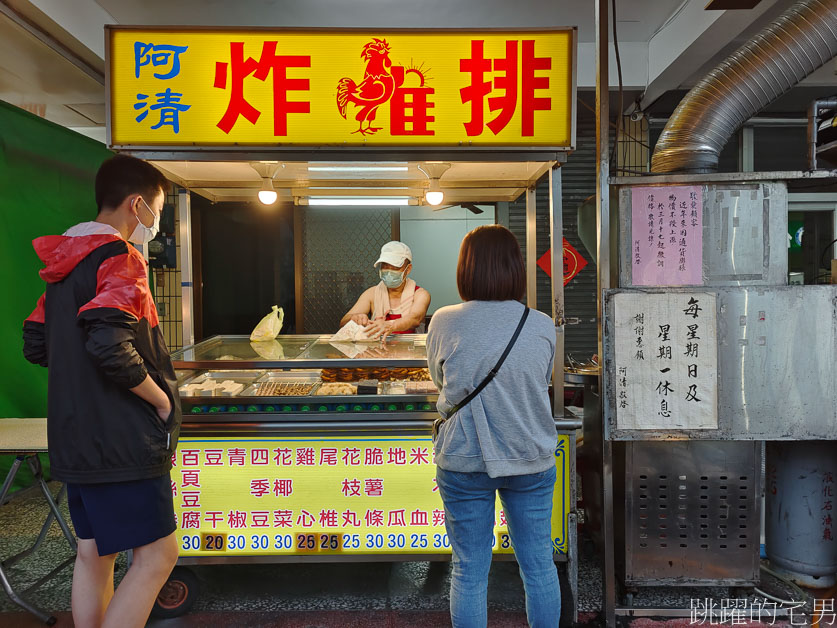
column 142, row 234
column 392, row 278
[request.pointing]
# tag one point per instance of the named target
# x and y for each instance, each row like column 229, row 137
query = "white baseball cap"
column 394, row 253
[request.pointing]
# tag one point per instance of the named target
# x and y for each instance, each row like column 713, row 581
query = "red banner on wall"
column 573, row 262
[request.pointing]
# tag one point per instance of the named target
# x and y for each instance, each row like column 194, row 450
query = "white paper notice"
column 666, row 361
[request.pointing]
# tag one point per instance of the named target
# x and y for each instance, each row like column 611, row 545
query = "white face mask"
column 392, row 278
column 142, row 234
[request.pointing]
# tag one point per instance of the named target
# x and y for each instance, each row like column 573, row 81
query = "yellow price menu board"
column 267, row 87
column 331, row 495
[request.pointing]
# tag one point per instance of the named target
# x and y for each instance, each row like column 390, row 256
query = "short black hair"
column 490, row 266
column 123, row 175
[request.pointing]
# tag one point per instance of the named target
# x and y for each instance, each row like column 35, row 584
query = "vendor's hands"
column 360, row 319
column 379, row 328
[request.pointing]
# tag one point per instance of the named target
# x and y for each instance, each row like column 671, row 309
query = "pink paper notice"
column 667, row 230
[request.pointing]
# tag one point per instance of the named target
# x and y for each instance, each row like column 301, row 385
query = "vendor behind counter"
column 396, row 305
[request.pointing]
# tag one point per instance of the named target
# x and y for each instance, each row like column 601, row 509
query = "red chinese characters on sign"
column 237, row 519
column 374, row 487
column 419, row 455
column 190, row 519
column 260, row 519
column 283, row 487
column 351, row 488
column 418, row 518
column 410, row 109
column 260, row 487
column 328, row 456
column 350, row 518
column 384, row 83
column 328, row 518
column 351, row 456
column 573, row 262
column 214, row 457
column 305, row 457
column 515, row 81
column 191, row 477
column 396, row 519
column 191, row 499
column 239, row 68
column 259, row 457
column 373, row 456
column 283, row 456
column 396, row 456
column 305, row 519
column 374, row 518
column 213, row 518
column 237, row 456
column 283, row 518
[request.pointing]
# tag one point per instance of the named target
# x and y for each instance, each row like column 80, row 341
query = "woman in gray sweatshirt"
column 504, row 439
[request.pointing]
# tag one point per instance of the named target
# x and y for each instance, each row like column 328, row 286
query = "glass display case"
column 230, row 378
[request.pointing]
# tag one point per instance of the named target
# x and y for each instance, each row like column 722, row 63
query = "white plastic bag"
column 270, row 326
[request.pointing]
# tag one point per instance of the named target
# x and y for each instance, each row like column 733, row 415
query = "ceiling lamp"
column 267, row 195
column 267, row 171
column 434, row 170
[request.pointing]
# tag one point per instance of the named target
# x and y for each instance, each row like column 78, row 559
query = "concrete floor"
column 367, row 595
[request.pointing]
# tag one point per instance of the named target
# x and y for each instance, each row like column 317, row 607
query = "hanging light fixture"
column 434, row 170
column 267, row 171
column 267, row 195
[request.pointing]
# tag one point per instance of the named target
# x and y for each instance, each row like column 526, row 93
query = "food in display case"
column 331, row 388
column 397, row 388
column 283, row 389
column 421, row 388
column 415, row 374
column 212, row 388
column 302, row 382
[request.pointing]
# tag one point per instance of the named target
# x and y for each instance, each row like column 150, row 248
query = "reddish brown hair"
column 490, row 266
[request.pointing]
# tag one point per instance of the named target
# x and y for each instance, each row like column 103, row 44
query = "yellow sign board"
column 331, row 495
column 222, row 88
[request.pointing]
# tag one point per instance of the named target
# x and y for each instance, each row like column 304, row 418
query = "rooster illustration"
column 374, row 90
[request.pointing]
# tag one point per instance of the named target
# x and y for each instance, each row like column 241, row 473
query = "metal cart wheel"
column 178, row 595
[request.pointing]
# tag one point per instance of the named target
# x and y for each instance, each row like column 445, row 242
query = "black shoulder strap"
column 493, row 371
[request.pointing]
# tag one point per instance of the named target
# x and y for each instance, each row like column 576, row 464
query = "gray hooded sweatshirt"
column 508, row 428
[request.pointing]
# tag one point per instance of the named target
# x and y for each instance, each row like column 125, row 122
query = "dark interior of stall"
column 250, row 268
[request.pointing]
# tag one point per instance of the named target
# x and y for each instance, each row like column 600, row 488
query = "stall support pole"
column 184, row 214
column 556, row 236
column 531, row 249
column 556, row 243
column 603, row 283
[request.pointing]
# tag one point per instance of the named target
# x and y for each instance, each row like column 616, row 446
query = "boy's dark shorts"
column 122, row 515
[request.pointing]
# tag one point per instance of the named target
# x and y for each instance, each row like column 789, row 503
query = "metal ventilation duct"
column 803, row 39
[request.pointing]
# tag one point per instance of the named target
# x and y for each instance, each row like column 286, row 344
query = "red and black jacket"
column 97, row 331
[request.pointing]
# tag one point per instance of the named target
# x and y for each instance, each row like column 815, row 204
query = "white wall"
column 435, row 237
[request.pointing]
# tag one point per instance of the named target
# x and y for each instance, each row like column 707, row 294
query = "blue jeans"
column 469, row 500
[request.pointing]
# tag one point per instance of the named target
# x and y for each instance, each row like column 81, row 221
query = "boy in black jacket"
column 113, row 414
